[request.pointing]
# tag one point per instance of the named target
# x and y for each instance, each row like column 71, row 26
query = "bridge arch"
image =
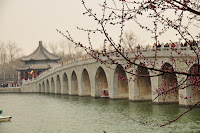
column 65, row 89
column 40, row 88
column 120, row 83
column 52, row 85
column 193, row 91
column 85, row 83
column 74, row 84
column 58, row 85
column 143, row 83
column 168, row 81
column 101, row 82
column 47, row 86
column 43, row 86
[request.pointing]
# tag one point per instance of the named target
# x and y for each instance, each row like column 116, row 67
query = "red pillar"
column 35, row 74
column 28, row 75
column 32, row 75
column 23, row 75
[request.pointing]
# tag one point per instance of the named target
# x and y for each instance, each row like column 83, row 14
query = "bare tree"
column 13, row 50
column 13, row 53
column 9, row 60
column 78, row 52
column 3, row 60
column 129, row 40
column 63, row 48
column 70, row 50
column 53, row 47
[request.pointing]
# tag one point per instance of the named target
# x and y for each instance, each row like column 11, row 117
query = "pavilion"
column 40, row 60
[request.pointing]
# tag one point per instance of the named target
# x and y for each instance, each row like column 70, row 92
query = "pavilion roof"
column 40, row 54
column 34, row 67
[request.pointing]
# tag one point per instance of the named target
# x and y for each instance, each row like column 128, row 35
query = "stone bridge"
column 86, row 77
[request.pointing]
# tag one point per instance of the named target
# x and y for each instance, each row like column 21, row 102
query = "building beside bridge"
column 36, row 63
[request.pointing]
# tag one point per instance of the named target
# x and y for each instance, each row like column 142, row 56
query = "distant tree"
column 53, row 47
column 3, row 60
column 9, row 59
column 129, row 40
column 12, row 50
column 13, row 53
column 70, row 50
column 63, row 48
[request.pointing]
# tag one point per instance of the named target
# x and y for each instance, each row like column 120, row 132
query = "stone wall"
column 10, row 89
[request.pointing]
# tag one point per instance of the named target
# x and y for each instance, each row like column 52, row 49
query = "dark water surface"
column 49, row 113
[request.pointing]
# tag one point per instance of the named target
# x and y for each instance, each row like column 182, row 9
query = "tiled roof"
column 34, row 67
column 40, row 54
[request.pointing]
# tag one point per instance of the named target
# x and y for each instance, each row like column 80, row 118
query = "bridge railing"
column 112, row 54
column 68, row 62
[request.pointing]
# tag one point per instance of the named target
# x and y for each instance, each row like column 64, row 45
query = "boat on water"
column 1, row 111
column 105, row 94
column 5, row 118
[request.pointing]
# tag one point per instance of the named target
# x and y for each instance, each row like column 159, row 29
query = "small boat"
column 5, row 118
column 105, row 94
column 1, row 111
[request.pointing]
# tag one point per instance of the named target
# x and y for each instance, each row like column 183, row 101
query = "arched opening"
column 120, row 83
column 40, row 88
column 47, row 87
column 43, row 86
column 143, row 83
column 65, row 84
column 85, row 83
column 58, row 83
column 168, row 82
column 193, row 82
column 101, row 82
column 74, row 84
column 52, row 85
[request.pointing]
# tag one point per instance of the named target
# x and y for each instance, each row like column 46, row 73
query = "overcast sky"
column 28, row 21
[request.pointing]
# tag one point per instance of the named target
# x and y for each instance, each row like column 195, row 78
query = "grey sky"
column 28, row 21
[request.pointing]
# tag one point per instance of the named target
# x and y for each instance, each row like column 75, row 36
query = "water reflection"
column 63, row 113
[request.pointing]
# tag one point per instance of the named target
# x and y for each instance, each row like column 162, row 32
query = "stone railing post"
column 162, row 46
column 183, row 91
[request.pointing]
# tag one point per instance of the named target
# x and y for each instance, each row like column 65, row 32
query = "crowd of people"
column 159, row 45
column 8, row 84
column 176, row 44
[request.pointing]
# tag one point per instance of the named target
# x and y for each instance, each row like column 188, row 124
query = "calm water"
column 45, row 113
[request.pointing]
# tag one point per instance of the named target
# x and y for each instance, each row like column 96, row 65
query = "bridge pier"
column 65, row 84
column 74, row 84
column 94, row 90
column 158, row 86
column 140, row 87
column 119, row 83
column 131, row 90
column 58, row 85
column 190, row 93
column 84, row 83
column 47, row 90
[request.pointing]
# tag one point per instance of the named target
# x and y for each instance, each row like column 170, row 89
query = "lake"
column 50, row 113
